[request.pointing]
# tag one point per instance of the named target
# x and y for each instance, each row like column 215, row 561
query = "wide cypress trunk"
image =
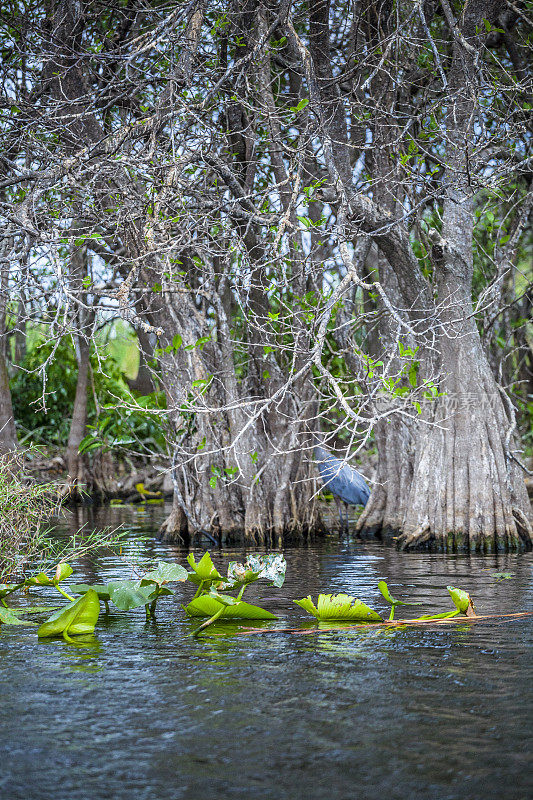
column 467, row 491
column 451, row 482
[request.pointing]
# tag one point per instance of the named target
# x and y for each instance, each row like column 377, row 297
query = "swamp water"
column 148, row 713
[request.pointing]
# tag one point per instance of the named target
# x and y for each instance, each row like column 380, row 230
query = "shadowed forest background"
column 231, row 231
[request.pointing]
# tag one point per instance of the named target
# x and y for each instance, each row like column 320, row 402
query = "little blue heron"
column 347, row 486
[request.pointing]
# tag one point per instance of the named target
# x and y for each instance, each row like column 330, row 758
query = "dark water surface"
column 149, row 713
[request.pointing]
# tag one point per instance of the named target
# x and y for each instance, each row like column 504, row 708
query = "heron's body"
column 345, row 483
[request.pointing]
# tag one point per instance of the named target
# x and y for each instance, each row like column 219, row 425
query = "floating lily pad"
column 339, row 607
column 129, row 594
column 501, row 576
column 9, row 617
column 208, row 606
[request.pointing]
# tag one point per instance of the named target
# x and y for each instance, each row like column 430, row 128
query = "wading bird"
column 347, row 486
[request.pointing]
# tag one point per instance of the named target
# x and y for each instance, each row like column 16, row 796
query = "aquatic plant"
column 210, row 602
column 339, row 607
column 8, row 616
column 384, row 589
column 204, row 573
column 145, row 591
column 343, row 607
column 25, row 508
column 8, row 588
column 101, row 590
column 63, row 571
column 78, row 618
column 462, row 602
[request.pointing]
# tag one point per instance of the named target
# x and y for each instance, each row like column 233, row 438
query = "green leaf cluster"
column 211, row 600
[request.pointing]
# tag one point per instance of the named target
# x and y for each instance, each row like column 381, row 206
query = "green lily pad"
column 129, row 594
column 157, row 590
column 78, row 618
column 166, row 573
column 207, row 606
column 101, row 589
column 9, row 617
column 339, row 607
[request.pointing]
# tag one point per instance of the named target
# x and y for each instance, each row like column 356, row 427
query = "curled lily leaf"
column 63, row 571
column 340, row 607
column 463, row 605
column 78, row 618
column 384, row 589
column 462, row 601
column 204, row 571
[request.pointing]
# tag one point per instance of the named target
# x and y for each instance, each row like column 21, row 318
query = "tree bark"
column 75, row 462
column 83, row 319
column 8, row 433
column 467, row 491
column 143, row 381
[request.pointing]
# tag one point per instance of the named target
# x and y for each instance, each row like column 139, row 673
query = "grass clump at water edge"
column 26, row 510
